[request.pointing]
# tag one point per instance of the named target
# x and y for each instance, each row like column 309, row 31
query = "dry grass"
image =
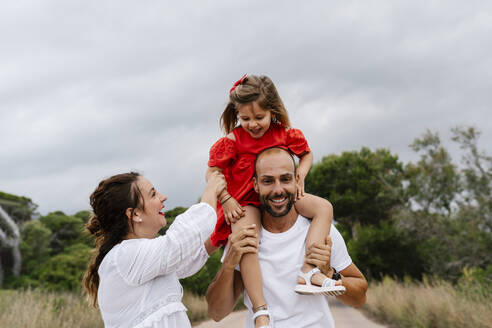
column 34, row 309
column 37, row 309
column 427, row 304
column 197, row 307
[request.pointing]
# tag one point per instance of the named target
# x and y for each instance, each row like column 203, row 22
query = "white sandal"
column 260, row 313
column 327, row 288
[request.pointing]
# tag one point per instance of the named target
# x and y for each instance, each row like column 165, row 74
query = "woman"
column 133, row 277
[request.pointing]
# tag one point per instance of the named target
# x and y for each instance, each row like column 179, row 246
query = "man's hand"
column 319, row 255
column 223, row 292
column 232, row 210
column 240, row 242
column 352, row 279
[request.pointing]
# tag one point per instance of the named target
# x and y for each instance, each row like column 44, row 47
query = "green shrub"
column 67, row 230
column 476, row 283
column 385, row 250
column 35, row 245
column 64, row 271
column 199, row 282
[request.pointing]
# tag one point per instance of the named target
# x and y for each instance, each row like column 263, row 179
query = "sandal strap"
column 328, row 282
column 260, row 313
column 308, row 275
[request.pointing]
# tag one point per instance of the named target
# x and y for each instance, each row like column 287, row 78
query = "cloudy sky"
column 93, row 88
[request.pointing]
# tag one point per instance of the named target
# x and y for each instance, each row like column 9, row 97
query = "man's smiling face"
column 275, row 182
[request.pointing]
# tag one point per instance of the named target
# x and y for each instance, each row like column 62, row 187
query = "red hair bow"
column 238, row 82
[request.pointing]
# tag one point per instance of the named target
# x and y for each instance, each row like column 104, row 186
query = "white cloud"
column 88, row 90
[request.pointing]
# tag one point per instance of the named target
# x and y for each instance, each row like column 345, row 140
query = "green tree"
column 66, row 230
column 35, row 245
column 364, row 187
column 477, row 177
column 449, row 214
column 57, row 269
column 14, row 210
column 434, row 181
column 65, row 270
column 84, row 215
column 383, row 249
column 20, row 208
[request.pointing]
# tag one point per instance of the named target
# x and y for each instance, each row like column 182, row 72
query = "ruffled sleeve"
column 297, row 143
column 140, row 260
column 193, row 264
column 222, row 153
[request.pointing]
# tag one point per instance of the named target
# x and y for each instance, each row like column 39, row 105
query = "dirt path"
column 348, row 317
column 233, row 320
column 345, row 317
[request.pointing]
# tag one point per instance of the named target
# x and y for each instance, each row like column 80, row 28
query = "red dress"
column 236, row 159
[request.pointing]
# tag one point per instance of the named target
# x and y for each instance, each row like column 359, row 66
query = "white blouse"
column 139, row 284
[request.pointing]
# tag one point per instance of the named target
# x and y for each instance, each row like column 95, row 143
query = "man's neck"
column 279, row 224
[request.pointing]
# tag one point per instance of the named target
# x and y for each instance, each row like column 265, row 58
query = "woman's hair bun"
column 94, row 225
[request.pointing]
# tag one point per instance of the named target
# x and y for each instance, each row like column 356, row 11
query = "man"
column 281, row 253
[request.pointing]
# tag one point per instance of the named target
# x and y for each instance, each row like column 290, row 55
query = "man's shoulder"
column 301, row 220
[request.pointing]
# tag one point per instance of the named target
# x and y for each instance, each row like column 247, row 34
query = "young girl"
column 264, row 123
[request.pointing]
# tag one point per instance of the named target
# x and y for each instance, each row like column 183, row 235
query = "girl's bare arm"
column 305, row 163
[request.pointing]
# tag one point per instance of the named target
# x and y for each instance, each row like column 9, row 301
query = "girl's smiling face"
column 254, row 119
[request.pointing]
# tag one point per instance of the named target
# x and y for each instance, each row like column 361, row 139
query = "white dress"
column 139, row 285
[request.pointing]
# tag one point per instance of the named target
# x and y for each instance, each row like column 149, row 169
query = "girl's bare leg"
column 321, row 212
column 250, row 267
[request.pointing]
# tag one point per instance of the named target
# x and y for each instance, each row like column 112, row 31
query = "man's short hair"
column 274, row 150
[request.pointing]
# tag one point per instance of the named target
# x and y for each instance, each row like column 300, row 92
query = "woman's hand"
column 240, row 242
column 216, row 182
column 232, row 210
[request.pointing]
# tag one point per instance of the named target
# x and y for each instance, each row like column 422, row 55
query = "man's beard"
column 265, row 204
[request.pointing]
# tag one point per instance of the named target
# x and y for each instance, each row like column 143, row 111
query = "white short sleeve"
column 340, row 258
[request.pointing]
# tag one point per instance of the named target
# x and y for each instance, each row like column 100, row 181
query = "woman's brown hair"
column 109, row 222
column 254, row 88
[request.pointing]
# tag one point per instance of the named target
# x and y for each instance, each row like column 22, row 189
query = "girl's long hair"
column 109, row 222
column 254, row 88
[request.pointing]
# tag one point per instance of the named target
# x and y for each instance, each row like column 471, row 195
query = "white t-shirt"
column 139, row 284
column 281, row 256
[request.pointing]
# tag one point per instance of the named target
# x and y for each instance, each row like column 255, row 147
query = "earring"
column 139, row 219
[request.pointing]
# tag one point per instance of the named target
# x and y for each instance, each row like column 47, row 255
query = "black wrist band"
column 336, row 275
